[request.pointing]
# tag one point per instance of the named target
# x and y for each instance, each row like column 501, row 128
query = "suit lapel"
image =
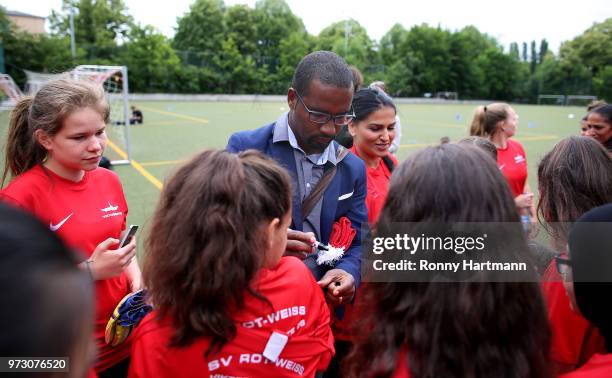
column 282, row 152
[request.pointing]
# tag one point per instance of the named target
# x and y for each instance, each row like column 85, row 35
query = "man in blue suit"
column 302, row 140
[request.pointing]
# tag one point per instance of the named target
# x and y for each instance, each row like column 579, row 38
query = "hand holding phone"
column 128, row 236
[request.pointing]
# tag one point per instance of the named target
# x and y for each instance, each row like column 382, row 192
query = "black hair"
column 604, row 111
column 325, row 66
column 590, row 244
column 46, row 299
column 452, row 329
column 367, row 101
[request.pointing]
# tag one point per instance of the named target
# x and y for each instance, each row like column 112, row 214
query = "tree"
column 348, row 39
column 98, row 25
column 201, row 30
column 241, row 26
column 524, row 51
column 275, row 21
column 292, row 49
column 430, row 48
column 466, row 74
column 543, row 50
column 534, row 57
column 603, row 83
column 514, row 51
column 151, row 60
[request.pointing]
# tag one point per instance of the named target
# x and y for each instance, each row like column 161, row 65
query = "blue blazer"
column 344, row 197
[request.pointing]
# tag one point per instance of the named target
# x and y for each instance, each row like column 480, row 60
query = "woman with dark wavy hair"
column 452, row 329
column 226, row 302
column 574, row 177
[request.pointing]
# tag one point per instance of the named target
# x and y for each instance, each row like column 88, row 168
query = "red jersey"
column 574, row 339
column 599, row 366
column 299, row 311
column 513, row 164
column 378, row 185
column 83, row 214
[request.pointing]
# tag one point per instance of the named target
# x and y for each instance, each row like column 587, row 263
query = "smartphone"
column 127, row 238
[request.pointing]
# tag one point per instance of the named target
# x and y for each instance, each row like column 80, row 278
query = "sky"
column 509, row 21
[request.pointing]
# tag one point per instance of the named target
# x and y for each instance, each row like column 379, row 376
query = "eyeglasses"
column 323, row 118
column 563, row 265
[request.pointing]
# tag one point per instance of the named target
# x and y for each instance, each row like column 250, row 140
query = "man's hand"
column 299, row 244
column 340, row 286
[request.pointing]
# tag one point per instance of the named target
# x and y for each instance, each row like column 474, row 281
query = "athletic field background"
column 174, row 131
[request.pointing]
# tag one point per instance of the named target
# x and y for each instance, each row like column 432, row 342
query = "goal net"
column 551, row 99
column 9, row 92
column 447, row 95
column 579, row 100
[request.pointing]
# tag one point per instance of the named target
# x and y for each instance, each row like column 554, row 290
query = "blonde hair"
column 486, row 118
column 46, row 111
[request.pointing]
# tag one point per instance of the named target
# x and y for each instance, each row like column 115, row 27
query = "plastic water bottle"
column 526, row 222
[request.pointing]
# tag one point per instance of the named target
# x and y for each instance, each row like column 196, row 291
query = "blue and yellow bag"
column 128, row 313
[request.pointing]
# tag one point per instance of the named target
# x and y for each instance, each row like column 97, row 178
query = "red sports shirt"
column 574, row 339
column 513, row 164
column 599, row 366
column 378, row 187
column 299, row 311
column 83, row 214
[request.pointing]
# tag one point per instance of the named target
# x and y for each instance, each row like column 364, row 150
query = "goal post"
column 10, row 93
column 579, row 100
column 547, row 99
column 447, row 95
column 114, row 79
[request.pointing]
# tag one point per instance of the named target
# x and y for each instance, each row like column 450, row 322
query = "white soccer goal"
column 551, row 99
column 579, row 100
column 10, row 92
column 114, row 79
column 447, row 95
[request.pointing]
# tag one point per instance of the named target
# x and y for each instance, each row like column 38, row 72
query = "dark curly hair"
column 452, row 329
column 208, row 242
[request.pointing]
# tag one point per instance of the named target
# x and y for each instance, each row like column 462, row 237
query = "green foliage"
column 98, row 25
column 151, row 59
column 201, row 29
column 603, row 83
column 239, row 49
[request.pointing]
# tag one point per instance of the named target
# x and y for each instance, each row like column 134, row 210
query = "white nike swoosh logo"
column 502, row 166
column 55, row 227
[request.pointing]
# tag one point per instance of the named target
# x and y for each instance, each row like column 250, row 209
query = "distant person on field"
column 328, row 182
column 137, row 117
column 47, row 306
column 344, row 137
column 498, row 122
column 221, row 287
column 397, row 139
column 587, row 276
column 599, row 125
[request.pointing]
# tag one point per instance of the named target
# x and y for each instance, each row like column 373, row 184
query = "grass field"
column 174, row 131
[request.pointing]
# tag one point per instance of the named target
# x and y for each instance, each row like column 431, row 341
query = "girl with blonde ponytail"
column 55, row 142
column 498, row 122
